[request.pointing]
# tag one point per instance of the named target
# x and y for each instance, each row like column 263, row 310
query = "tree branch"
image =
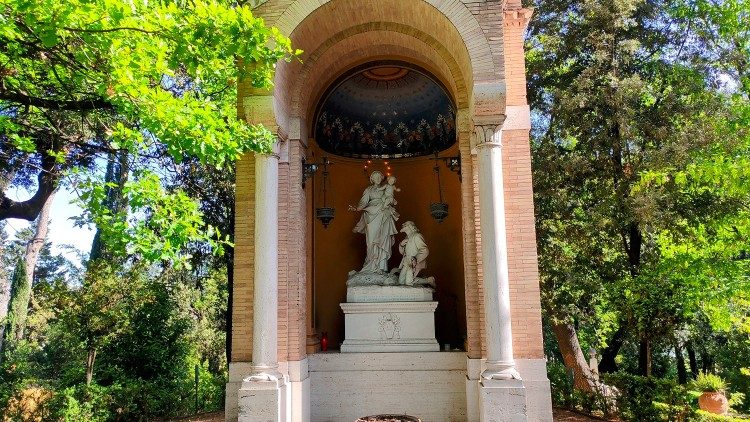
column 79, row 105
column 29, row 209
column 121, row 28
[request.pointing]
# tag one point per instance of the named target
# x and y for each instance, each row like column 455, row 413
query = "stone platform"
column 389, row 327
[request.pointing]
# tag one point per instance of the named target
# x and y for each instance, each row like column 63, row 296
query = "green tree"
column 97, row 312
column 20, row 294
column 622, row 95
column 85, row 79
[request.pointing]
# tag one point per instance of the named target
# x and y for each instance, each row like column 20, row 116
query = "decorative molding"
column 283, row 148
column 487, row 135
column 295, row 128
column 255, row 3
column 390, row 326
column 463, row 119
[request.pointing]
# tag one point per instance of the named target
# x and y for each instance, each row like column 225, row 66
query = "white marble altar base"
column 348, row 386
column 389, row 327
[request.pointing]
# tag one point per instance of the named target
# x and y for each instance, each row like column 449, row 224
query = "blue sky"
column 61, row 231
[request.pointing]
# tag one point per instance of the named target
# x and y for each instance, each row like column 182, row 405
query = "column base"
column 501, row 371
column 312, row 344
column 262, row 401
column 502, row 401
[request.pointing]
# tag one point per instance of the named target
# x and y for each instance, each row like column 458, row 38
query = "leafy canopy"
column 155, row 80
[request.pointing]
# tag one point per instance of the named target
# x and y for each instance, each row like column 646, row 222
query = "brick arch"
column 463, row 22
column 324, row 66
column 317, row 28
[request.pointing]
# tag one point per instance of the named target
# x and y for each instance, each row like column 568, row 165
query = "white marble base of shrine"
column 389, row 327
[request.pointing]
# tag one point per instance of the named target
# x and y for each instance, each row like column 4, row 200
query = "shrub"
column 706, row 382
column 561, row 384
column 28, row 405
column 564, row 395
column 650, row 399
column 702, row 416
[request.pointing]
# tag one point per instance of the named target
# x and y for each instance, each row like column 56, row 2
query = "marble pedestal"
column 502, row 401
column 389, row 327
column 262, row 401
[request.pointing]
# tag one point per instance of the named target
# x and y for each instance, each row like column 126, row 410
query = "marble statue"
column 378, row 223
column 414, row 251
column 390, row 190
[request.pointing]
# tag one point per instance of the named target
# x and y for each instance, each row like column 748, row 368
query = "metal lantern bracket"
column 308, row 170
column 454, row 165
column 325, row 213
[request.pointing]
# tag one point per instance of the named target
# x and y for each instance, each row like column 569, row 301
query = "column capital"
column 488, row 135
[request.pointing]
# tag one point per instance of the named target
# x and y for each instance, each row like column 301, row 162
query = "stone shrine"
column 431, row 91
column 388, row 311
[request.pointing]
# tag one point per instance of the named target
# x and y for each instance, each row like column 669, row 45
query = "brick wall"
column 493, row 51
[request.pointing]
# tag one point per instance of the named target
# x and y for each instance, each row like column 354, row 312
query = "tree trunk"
column 607, row 364
column 30, row 258
column 707, row 362
column 644, row 357
column 567, row 340
column 14, row 320
column 691, row 359
column 681, row 372
column 90, row 359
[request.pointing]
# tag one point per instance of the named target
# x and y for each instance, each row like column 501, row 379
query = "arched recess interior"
column 417, row 32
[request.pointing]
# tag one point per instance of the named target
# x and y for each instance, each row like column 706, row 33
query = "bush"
column 28, row 404
column 650, row 399
column 702, row 416
column 561, row 383
column 564, row 395
column 706, row 382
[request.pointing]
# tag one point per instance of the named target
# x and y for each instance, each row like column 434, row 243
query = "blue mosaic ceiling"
column 384, row 111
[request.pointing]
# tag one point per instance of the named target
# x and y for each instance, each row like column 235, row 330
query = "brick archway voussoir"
column 465, row 26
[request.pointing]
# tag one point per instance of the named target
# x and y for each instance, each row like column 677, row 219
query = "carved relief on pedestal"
column 390, row 326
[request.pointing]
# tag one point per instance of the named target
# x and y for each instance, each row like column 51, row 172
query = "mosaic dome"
column 386, row 110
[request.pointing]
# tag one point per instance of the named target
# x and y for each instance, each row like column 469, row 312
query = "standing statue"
column 378, row 223
column 414, row 251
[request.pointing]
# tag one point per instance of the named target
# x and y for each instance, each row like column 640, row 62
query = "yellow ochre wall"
column 337, row 250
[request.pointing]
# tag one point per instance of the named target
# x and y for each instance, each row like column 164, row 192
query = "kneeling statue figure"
column 414, row 251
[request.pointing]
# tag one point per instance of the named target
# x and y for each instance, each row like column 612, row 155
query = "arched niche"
column 336, row 250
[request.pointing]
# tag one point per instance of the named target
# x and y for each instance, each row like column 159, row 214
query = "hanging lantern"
column 438, row 210
column 325, row 213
